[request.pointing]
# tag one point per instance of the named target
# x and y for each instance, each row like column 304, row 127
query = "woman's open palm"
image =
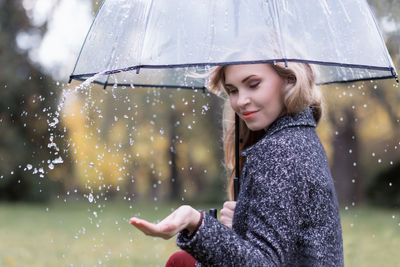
column 185, row 217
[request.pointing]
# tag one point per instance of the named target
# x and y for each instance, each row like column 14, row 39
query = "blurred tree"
column 385, row 189
column 27, row 105
column 157, row 142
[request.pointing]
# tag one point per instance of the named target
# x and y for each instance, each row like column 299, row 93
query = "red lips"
column 248, row 114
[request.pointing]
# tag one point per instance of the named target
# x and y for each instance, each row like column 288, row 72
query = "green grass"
column 64, row 234
column 371, row 237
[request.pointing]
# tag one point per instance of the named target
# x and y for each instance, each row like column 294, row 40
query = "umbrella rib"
column 145, row 34
column 278, row 22
column 84, row 42
column 388, row 58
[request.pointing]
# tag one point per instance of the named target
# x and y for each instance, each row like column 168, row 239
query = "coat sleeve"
column 271, row 216
column 214, row 244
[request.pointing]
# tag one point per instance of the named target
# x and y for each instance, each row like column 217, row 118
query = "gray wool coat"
column 287, row 211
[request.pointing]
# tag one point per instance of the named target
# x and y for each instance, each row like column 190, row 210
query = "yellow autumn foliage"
column 97, row 164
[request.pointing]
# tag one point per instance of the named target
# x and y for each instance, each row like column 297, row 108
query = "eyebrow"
column 243, row 81
column 248, row 77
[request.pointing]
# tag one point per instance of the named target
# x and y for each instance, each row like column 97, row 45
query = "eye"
column 254, row 84
column 231, row 90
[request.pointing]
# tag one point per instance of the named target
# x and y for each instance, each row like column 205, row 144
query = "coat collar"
column 304, row 118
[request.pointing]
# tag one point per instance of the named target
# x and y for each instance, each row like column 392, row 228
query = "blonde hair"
column 299, row 93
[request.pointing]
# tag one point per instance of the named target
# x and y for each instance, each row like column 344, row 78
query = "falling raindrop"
column 90, row 198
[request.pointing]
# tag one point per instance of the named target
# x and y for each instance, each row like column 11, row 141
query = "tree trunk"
column 175, row 183
column 346, row 170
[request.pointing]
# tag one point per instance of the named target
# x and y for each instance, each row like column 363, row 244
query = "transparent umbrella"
column 156, row 43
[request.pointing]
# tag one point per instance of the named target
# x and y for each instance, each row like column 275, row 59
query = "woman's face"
column 255, row 93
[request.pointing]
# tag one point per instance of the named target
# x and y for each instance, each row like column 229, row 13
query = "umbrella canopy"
column 157, row 43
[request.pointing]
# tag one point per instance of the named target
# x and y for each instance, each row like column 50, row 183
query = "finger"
column 224, row 220
column 227, row 222
column 227, row 213
column 162, row 229
column 230, row 205
column 146, row 227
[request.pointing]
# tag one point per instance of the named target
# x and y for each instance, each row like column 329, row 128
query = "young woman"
column 286, row 213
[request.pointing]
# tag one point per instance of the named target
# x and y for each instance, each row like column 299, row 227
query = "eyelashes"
column 232, row 90
column 254, row 85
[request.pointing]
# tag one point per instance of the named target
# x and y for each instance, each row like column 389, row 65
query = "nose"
column 243, row 99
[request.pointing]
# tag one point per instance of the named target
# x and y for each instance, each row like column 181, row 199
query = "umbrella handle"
column 237, row 171
column 213, row 213
column 235, row 188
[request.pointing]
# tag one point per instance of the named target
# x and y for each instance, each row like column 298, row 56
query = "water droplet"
column 58, row 160
column 90, row 198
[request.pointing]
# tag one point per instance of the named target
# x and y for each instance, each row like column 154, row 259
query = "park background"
column 77, row 163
